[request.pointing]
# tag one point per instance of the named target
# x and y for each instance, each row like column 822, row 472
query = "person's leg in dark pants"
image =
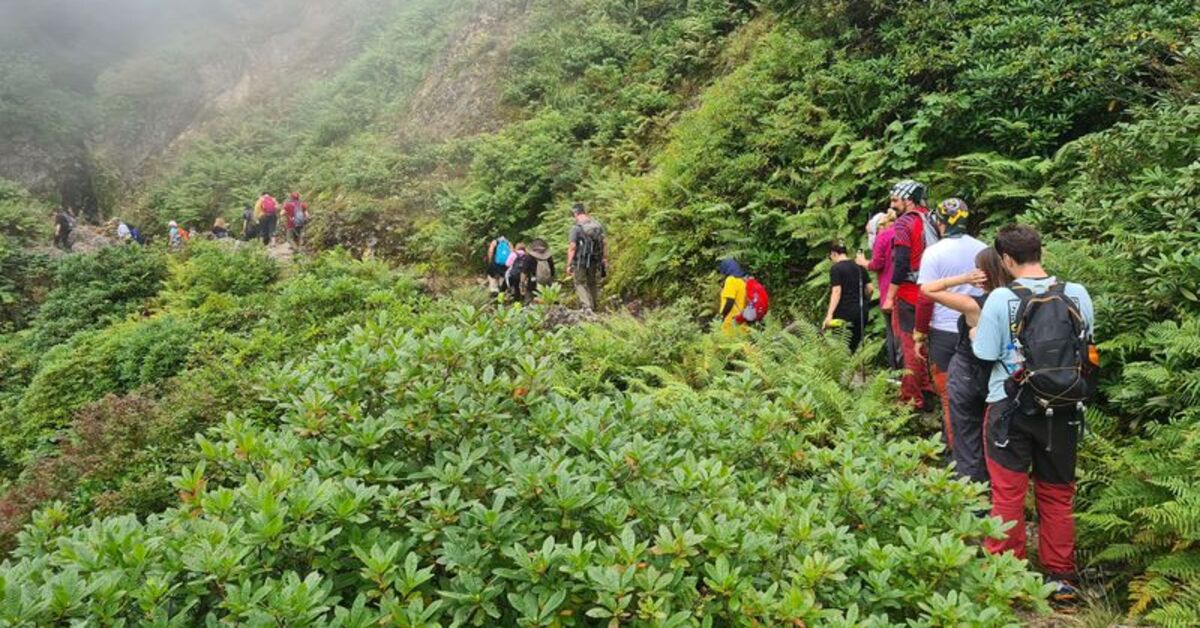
column 966, row 389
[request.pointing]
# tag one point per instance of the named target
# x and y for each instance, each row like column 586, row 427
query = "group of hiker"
column 521, row 271
column 259, row 221
column 983, row 336
column 988, row 339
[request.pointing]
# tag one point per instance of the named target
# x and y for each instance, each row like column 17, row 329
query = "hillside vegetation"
column 367, row 450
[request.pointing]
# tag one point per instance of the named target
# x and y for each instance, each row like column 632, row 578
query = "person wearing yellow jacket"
column 733, row 294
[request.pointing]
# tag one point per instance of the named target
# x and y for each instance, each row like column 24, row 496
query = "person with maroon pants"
column 1017, row 441
column 912, row 230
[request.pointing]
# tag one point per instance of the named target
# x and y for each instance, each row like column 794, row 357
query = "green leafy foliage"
column 419, row 473
column 91, row 291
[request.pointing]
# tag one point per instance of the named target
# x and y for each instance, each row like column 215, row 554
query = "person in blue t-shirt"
column 1047, row 444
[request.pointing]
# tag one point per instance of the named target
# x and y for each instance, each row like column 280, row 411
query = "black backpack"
column 1052, row 336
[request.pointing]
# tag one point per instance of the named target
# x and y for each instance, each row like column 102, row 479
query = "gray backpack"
column 589, row 251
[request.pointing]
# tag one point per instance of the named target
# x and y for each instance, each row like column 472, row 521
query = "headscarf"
column 730, row 268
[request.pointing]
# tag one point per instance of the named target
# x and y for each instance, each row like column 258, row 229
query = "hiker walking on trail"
column 733, row 293
column 935, row 334
column 587, row 257
column 124, row 235
column 267, row 213
column 498, row 253
column 1038, row 331
column 513, row 270
column 248, row 225
column 220, row 230
column 539, row 269
column 849, row 296
column 174, row 235
column 295, row 215
column 967, row 376
column 914, row 231
column 881, row 264
column 64, row 224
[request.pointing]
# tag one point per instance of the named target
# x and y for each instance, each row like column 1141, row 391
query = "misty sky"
column 76, row 39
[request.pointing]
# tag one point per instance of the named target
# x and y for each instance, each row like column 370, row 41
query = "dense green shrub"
column 373, row 495
column 190, row 365
column 219, row 267
column 116, row 359
column 91, row 291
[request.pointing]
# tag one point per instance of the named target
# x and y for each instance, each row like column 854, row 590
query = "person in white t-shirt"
column 937, row 325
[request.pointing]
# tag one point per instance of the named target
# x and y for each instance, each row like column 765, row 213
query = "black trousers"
column 266, row 227
column 966, row 389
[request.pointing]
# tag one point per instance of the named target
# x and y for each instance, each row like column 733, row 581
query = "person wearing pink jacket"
column 881, row 264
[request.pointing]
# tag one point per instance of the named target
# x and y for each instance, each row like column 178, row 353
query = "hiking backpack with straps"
column 757, row 302
column 503, row 250
column 1052, row 337
column 589, row 251
column 929, row 237
column 542, row 273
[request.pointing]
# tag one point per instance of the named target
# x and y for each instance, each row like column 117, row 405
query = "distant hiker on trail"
column 220, row 230
column 295, row 213
column 733, row 293
column 185, row 233
column 64, row 224
column 913, row 232
column 935, row 334
column 1043, row 373
column 124, row 234
column 539, row 269
column 497, row 259
column 744, row 301
column 248, row 225
column 849, row 296
column 967, row 377
column 174, row 236
column 876, row 224
column 266, row 211
column 587, row 257
column 512, row 273
column 881, row 264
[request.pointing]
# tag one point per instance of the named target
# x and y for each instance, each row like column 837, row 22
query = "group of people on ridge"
column 258, row 221
column 521, row 271
column 261, row 220
column 988, row 339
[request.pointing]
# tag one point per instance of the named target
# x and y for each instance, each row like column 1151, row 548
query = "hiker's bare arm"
column 571, row 259
column 835, row 297
column 491, row 254
column 886, row 306
column 939, row 292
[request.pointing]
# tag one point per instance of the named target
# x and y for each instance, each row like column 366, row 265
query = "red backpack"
column 757, row 302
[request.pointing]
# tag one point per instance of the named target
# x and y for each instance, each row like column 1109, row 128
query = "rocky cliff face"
column 461, row 94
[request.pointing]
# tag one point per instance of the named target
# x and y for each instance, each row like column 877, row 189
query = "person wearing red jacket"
column 295, row 215
column 913, row 228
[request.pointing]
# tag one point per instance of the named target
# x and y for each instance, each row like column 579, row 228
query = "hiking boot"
column 1065, row 597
